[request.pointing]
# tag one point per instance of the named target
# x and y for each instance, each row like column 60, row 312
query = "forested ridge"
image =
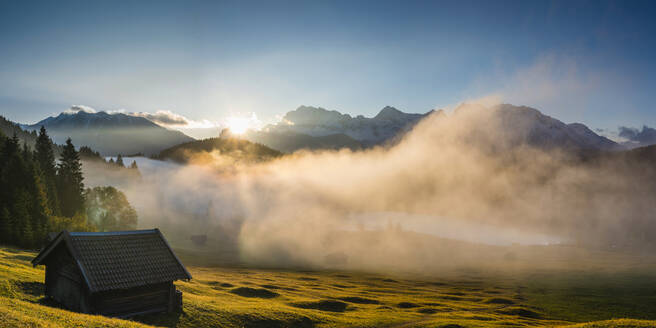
column 238, row 150
column 9, row 128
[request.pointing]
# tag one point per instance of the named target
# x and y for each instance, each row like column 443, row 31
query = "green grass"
column 244, row 297
column 587, row 296
column 618, row 323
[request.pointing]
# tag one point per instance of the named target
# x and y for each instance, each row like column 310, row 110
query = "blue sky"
column 590, row 62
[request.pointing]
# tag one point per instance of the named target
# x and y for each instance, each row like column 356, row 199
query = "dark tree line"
column 39, row 195
column 88, row 154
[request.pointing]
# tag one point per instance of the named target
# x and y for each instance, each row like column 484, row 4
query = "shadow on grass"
column 26, row 258
column 254, row 292
column 259, row 322
column 521, row 312
column 49, row 302
column 359, row 300
column 407, row 305
column 201, row 317
column 33, row 288
column 10, row 250
column 322, row 305
column 499, row 300
column 161, row 319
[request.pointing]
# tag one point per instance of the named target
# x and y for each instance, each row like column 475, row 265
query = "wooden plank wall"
column 152, row 298
column 64, row 281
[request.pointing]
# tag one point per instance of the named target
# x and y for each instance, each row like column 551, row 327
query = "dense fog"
column 457, row 180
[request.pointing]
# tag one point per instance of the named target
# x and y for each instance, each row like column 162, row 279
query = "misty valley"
column 488, row 215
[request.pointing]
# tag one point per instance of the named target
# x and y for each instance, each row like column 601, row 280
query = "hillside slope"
column 9, row 128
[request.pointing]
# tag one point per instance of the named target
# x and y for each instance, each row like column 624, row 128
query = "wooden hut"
column 118, row 274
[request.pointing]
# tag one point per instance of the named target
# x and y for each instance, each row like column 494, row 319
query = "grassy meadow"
column 246, row 297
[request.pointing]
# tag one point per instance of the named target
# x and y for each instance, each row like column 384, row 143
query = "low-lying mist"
column 425, row 203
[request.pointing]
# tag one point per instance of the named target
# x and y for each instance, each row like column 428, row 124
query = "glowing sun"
column 238, row 125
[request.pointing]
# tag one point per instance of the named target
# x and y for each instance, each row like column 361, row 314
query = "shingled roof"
column 118, row 260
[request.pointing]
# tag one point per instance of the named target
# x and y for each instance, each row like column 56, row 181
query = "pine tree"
column 3, row 164
column 119, row 161
column 11, row 180
column 37, row 204
column 39, row 210
column 27, row 235
column 10, row 146
column 44, row 153
column 45, row 156
column 69, row 178
column 26, row 153
column 134, row 165
column 5, row 226
column 21, row 229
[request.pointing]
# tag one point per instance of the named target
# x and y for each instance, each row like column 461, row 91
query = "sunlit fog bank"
column 455, row 181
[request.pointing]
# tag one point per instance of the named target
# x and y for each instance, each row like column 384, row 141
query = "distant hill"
column 111, row 134
column 290, row 141
column 238, row 150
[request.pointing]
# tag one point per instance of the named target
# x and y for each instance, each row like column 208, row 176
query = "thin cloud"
column 630, row 136
column 79, row 108
column 646, row 136
column 164, row 117
column 555, row 83
column 173, row 120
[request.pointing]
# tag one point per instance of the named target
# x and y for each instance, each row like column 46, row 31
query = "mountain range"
column 318, row 128
column 110, row 134
column 506, row 125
